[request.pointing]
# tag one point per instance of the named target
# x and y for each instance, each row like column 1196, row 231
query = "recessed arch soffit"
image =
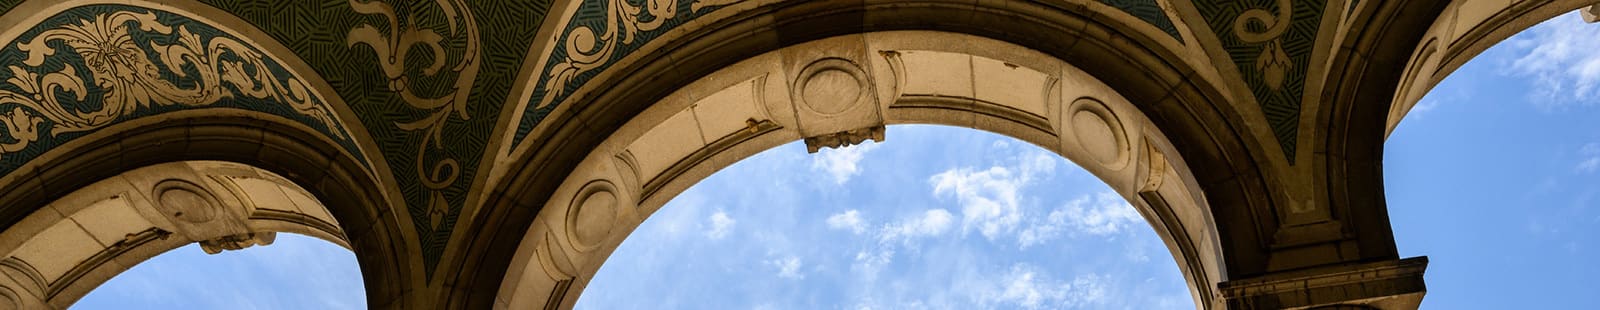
column 599, row 33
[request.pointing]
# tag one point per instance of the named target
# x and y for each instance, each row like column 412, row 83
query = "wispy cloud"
column 1422, row 107
column 988, row 197
column 1044, row 230
column 993, row 203
column 930, row 224
column 1026, row 287
column 788, row 267
column 906, row 232
column 848, row 220
column 720, row 225
column 1104, row 214
column 1590, row 154
column 841, row 163
column 1563, row 59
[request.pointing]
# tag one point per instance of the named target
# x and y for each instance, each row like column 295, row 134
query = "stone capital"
column 1393, row 284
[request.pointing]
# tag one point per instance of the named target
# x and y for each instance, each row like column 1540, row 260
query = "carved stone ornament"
column 1099, row 132
column 591, row 216
column 124, row 77
column 844, row 138
column 391, row 46
column 237, row 242
column 832, row 86
column 184, row 201
column 1273, row 63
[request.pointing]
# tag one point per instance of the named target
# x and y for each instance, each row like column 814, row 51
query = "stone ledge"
column 1395, row 284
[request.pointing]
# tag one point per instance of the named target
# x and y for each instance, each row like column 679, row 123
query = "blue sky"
column 295, row 272
column 1493, row 176
column 990, row 222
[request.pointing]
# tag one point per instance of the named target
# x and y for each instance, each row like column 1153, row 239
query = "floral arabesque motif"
column 392, row 47
column 129, row 80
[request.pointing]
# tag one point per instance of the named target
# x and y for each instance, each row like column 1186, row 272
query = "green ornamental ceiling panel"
column 6, row 5
column 1149, row 11
column 427, row 79
column 1271, row 42
column 603, row 32
column 92, row 67
column 600, row 33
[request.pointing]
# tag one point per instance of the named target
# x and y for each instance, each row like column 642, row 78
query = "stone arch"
column 240, row 97
column 1462, row 30
column 63, row 251
column 841, row 91
column 1169, row 82
column 261, row 141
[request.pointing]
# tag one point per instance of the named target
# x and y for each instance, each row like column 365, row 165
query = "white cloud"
column 1589, row 165
column 720, row 226
column 932, row 223
column 1562, row 57
column 994, row 204
column 1046, row 230
column 1027, row 288
column 1422, row 107
column 868, row 262
column 1099, row 214
column 841, row 163
column 1591, row 158
column 1104, row 214
column 788, row 267
column 988, row 198
column 848, row 220
column 905, row 232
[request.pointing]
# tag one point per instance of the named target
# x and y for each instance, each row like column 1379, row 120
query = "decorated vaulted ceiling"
column 1271, row 42
column 417, row 89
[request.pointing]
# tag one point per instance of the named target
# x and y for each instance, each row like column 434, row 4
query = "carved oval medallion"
column 832, row 86
column 592, row 215
column 185, row 201
column 1098, row 132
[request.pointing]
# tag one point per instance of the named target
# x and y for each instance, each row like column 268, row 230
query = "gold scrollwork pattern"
column 1273, row 63
column 128, row 79
column 392, row 46
column 587, row 51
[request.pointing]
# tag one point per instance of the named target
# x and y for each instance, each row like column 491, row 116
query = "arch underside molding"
column 66, row 249
column 870, row 80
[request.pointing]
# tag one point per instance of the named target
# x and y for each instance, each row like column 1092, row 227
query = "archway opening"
column 935, row 217
column 1493, row 173
column 63, row 250
column 843, row 91
column 294, row 272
